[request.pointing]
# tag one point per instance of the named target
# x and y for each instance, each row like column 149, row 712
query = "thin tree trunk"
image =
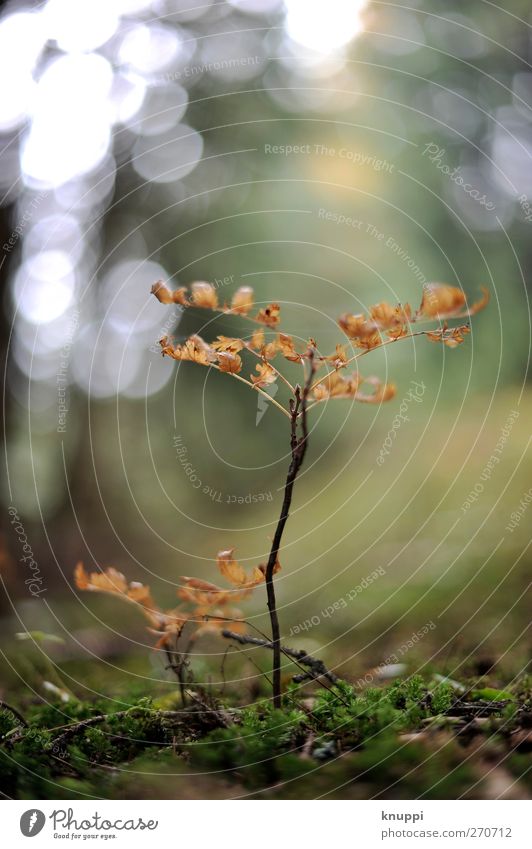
column 298, row 445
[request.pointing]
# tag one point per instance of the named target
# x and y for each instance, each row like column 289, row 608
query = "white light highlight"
column 80, row 24
column 70, row 131
column 44, row 286
column 147, row 49
column 323, row 27
column 22, row 39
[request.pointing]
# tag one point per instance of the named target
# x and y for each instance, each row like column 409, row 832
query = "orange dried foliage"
column 229, row 362
column 194, row 350
column 166, row 296
column 204, row 296
column 450, row 336
column 242, row 301
column 266, row 375
column 269, row 315
column 383, row 324
column 200, row 599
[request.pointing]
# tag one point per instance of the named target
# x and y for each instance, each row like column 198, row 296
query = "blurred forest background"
column 155, row 140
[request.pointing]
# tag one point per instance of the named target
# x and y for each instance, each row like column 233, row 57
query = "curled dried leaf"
column 353, row 325
column 288, row 349
column 167, row 349
column 339, row 358
column 336, row 385
column 204, row 296
column 382, row 392
column 364, row 333
column 269, row 315
column 257, row 339
column 204, row 595
column 237, row 575
column 242, row 301
column 228, row 362
column 169, row 629
column 229, row 344
column 166, row 296
column 199, row 584
column 386, row 316
column 112, row 581
column 232, row 571
column 480, row 304
column 441, row 301
column 194, row 350
column 270, row 350
column 266, row 375
column 109, row 581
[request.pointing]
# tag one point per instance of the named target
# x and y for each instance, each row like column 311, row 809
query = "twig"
column 219, row 715
column 298, row 447
column 178, row 662
column 256, row 388
column 316, row 667
column 283, row 651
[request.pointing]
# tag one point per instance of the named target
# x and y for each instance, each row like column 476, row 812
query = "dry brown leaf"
column 441, row 301
column 237, row 575
column 364, row 333
column 166, row 296
column 288, row 349
column 387, row 317
column 204, row 296
column 204, row 595
column 112, row 581
column 339, row 358
column 242, row 301
column 336, row 385
column 257, row 339
column 269, row 315
column 480, row 304
column 266, row 375
column 194, row 350
column 382, row 392
column 230, row 363
column 270, row 350
column 232, row 571
column 229, row 344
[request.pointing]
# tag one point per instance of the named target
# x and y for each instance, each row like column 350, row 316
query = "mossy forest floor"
column 415, row 738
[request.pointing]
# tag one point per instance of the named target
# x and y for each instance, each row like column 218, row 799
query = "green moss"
column 401, row 740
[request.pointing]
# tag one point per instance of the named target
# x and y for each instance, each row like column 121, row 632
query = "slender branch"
column 254, row 386
column 298, row 447
column 316, row 667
